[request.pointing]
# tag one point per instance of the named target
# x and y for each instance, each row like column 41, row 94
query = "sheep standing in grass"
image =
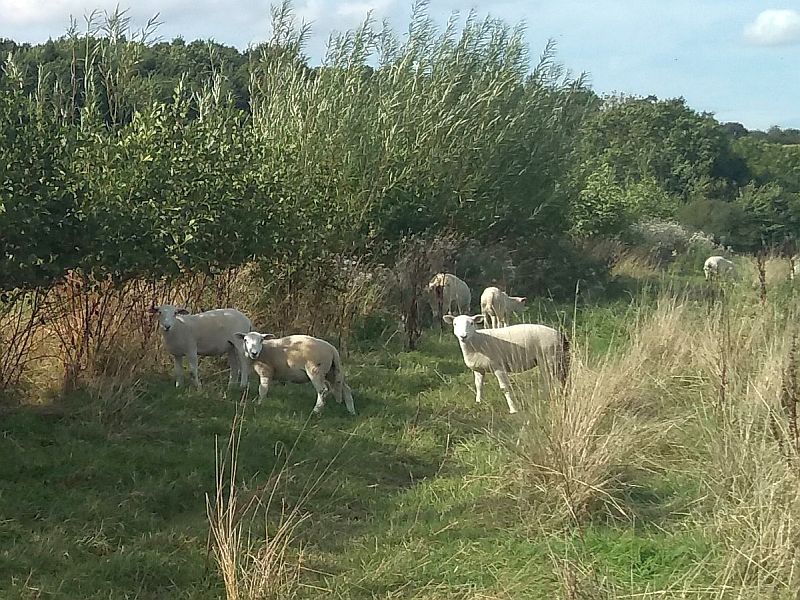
column 446, row 290
column 209, row 333
column 510, row 350
column 718, row 266
column 297, row 359
column 497, row 306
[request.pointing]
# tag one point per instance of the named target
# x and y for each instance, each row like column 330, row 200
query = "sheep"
column 718, row 265
column 209, row 333
column 297, row 359
column 445, row 290
column 497, row 306
column 510, row 350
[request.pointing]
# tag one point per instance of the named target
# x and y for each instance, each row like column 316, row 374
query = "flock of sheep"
column 498, row 348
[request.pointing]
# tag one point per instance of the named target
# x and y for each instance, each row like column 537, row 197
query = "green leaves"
column 451, row 130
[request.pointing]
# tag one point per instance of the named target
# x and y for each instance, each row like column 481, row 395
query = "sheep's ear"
column 153, row 309
column 478, row 319
column 268, row 336
column 520, row 298
column 181, row 311
column 239, row 335
column 448, row 319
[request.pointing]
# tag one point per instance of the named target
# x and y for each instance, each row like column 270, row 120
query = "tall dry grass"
column 752, row 474
column 578, row 443
column 252, row 533
column 21, row 316
column 253, row 529
column 703, row 391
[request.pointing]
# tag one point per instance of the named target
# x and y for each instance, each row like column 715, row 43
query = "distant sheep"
column 718, row 266
column 209, row 333
column 497, row 306
column 510, row 350
column 297, row 359
column 445, row 290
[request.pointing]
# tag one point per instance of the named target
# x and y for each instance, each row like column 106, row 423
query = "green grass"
column 416, row 504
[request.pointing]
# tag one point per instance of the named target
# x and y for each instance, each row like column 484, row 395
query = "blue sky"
column 736, row 58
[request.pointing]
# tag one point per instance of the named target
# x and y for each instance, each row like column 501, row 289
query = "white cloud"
column 774, row 27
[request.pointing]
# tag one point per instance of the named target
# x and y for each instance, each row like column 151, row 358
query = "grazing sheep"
column 718, row 266
column 510, row 350
column 497, row 306
column 297, row 359
column 445, row 290
column 209, row 333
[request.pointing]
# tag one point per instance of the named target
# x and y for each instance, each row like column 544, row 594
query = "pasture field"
column 668, row 469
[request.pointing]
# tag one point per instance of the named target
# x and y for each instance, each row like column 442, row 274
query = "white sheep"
column 297, row 359
column 209, row 333
column 510, row 350
column 718, row 266
column 497, row 306
column 444, row 291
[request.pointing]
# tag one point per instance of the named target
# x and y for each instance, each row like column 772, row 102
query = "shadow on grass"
column 91, row 506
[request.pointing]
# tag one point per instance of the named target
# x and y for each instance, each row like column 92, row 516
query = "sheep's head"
column 519, row 302
column 253, row 342
column 167, row 315
column 464, row 326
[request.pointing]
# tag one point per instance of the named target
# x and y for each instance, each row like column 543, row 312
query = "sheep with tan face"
column 297, row 359
column 510, row 350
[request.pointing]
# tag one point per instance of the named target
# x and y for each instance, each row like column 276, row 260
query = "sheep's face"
column 464, row 326
column 253, row 343
column 168, row 315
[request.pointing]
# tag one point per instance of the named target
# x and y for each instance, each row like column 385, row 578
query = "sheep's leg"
column 193, row 369
column 178, row 369
column 263, row 386
column 321, row 386
column 234, row 366
column 348, row 398
column 336, row 390
column 244, row 370
column 478, row 386
column 505, row 385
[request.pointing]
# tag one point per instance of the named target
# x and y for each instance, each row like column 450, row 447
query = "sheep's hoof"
column 512, row 411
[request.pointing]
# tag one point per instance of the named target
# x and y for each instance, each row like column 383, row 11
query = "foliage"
column 452, row 129
column 666, row 240
column 40, row 195
column 663, row 141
